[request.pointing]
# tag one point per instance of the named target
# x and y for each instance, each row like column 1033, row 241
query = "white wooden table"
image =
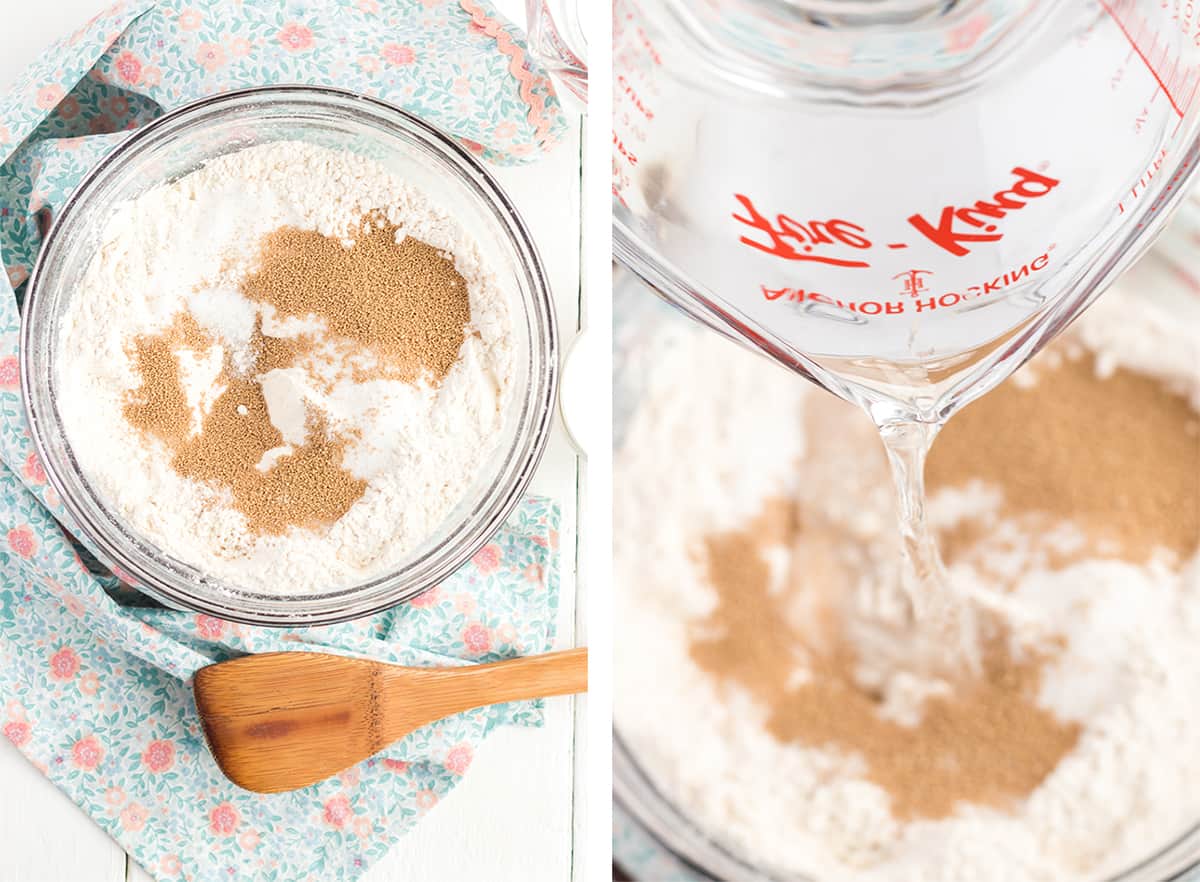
column 516, row 816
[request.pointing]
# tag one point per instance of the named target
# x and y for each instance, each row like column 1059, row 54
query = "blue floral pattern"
column 643, row 857
column 93, row 676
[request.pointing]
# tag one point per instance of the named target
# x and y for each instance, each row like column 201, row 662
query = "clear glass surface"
column 557, row 40
column 179, row 143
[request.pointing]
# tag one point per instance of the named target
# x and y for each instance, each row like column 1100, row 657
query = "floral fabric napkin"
column 93, row 677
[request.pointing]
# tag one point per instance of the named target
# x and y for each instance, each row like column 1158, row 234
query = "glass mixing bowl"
column 655, row 838
column 181, row 142
column 656, row 841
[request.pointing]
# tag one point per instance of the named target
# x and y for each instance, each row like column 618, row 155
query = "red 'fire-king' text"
column 798, row 240
column 840, row 242
column 980, row 219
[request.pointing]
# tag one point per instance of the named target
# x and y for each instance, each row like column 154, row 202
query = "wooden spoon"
column 284, row 720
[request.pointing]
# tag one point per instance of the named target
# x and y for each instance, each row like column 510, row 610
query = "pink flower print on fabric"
column 209, row 627
column 966, row 35
column 338, row 811
column 169, row 865
column 22, row 541
column 10, row 371
column 114, row 796
column 190, row 20
column 397, row 766
column 64, row 664
column 477, row 639
column 458, row 760
column 49, row 96
column 482, row 23
column 129, row 67
column 249, row 840
column 397, row 54
column 159, row 756
column 223, row 820
column 487, row 559
column 370, row 7
column 133, row 817
column 87, row 753
column 68, row 108
column 89, row 683
column 505, row 635
column 18, row 732
column 16, row 275
column 240, row 47
column 432, row 597
column 295, row 37
column 210, row 56
column 73, row 604
column 33, row 470
column 426, row 799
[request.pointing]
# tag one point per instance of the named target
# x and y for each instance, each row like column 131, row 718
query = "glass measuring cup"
column 901, row 200
column 558, row 41
column 897, row 197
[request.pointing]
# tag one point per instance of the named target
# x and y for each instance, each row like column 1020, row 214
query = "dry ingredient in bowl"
column 790, row 714
column 285, row 368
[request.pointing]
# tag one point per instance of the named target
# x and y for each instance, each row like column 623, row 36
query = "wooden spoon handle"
column 454, row 690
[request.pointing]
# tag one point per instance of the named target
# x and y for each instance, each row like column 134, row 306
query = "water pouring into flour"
column 902, row 201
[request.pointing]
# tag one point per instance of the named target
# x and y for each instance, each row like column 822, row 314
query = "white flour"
column 193, row 242
column 717, row 431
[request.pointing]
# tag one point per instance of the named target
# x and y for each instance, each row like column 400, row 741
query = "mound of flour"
column 190, row 245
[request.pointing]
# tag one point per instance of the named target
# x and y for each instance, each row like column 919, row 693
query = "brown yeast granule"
column 160, row 405
column 987, row 743
column 404, row 300
column 1117, row 456
column 307, row 488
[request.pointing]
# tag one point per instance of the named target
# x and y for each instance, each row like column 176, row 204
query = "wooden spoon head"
column 285, row 720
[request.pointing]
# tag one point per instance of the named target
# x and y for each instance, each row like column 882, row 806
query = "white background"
column 517, row 816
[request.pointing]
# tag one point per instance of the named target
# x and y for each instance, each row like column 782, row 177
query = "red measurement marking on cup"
column 1179, row 86
column 636, row 56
